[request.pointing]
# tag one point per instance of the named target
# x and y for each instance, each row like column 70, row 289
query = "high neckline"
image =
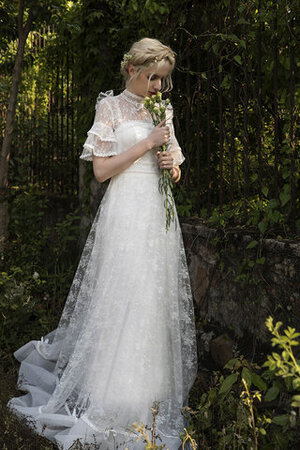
column 130, row 95
column 136, row 100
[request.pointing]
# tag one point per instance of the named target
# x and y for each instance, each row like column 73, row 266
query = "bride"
column 126, row 337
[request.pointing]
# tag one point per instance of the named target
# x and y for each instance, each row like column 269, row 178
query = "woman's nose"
column 157, row 85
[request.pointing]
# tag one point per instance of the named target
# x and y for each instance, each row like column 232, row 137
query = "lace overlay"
column 126, row 336
column 111, row 112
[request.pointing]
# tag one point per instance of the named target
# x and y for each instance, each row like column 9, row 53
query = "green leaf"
column 246, row 374
column 228, row 383
column 284, row 198
column 273, row 203
column 285, row 355
column 296, row 404
column 272, row 393
column 258, row 382
column 261, row 260
column 234, row 37
column 242, row 21
column 296, row 383
column 215, row 48
column 226, row 82
column 265, row 191
column 262, row 226
column 231, row 363
column 237, row 58
column 281, row 420
column 252, row 244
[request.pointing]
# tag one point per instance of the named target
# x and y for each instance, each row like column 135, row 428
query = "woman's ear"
column 131, row 70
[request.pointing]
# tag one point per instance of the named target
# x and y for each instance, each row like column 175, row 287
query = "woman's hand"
column 165, row 160
column 159, row 136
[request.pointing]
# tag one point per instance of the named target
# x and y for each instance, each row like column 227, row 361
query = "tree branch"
column 20, row 17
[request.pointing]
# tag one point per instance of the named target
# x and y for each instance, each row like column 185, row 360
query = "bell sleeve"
column 101, row 140
column 174, row 148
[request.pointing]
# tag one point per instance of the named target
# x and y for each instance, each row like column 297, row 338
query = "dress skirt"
column 126, row 337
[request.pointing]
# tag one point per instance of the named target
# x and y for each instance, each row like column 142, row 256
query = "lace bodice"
column 112, row 112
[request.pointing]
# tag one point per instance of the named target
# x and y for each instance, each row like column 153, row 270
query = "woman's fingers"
column 160, row 135
column 162, row 123
column 165, row 160
column 164, row 155
column 164, row 130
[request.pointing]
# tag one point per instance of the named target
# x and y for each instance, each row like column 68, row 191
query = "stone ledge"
column 239, row 296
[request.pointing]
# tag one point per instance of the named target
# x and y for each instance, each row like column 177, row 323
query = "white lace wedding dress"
column 126, row 337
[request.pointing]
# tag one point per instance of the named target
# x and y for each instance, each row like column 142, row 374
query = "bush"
column 249, row 406
column 36, row 268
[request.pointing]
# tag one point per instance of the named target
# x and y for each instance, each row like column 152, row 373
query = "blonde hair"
column 145, row 53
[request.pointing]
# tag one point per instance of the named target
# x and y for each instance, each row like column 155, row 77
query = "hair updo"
column 145, row 53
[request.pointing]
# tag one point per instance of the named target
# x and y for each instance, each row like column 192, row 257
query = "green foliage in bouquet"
column 157, row 109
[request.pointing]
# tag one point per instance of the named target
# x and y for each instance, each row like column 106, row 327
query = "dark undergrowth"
column 15, row 434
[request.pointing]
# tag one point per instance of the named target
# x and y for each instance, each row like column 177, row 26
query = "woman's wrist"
column 149, row 144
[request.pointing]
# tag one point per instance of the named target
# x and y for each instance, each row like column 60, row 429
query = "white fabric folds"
column 126, row 337
column 101, row 140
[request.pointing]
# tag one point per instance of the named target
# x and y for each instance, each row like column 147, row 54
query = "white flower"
column 35, row 276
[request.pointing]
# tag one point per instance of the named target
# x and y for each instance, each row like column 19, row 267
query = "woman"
column 126, row 336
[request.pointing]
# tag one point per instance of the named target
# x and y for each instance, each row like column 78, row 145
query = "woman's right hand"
column 159, row 136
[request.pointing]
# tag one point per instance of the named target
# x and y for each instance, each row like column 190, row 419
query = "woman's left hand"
column 165, row 160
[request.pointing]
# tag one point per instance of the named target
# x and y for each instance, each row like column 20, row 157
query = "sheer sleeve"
column 101, row 140
column 174, row 148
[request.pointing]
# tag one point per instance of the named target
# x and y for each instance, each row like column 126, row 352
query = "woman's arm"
column 106, row 167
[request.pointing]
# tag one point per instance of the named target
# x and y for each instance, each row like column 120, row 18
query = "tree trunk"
column 9, row 126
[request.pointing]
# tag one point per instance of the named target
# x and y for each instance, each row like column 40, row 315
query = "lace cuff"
column 174, row 148
column 100, row 142
column 177, row 156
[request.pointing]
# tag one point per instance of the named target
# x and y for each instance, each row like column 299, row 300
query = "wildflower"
column 158, row 97
column 126, row 58
column 158, row 114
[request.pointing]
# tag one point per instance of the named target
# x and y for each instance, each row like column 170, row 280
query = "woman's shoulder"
column 104, row 98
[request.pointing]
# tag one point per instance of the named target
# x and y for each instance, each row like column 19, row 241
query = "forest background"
column 236, row 101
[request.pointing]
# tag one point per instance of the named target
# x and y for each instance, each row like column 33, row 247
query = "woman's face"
column 149, row 81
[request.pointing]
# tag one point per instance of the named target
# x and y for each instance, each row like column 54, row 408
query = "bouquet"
column 165, row 184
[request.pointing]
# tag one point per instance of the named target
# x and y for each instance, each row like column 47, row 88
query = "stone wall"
column 239, row 287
